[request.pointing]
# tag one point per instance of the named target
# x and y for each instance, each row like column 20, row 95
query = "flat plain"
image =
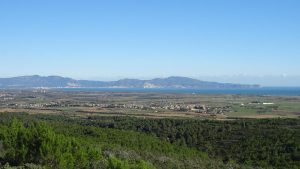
column 149, row 105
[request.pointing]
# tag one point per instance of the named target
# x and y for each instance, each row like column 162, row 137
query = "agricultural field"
column 150, row 105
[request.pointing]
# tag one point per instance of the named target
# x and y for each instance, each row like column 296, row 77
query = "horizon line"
column 164, row 77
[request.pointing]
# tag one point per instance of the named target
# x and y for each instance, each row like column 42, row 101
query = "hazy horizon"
column 264, row 81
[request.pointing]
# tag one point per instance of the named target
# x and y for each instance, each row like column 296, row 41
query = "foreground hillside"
column 52, row 141
column 60, row 143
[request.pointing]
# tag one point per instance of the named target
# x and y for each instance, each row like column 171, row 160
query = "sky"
column 253, row 41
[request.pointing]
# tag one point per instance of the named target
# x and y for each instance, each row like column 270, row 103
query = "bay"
column 275, row 91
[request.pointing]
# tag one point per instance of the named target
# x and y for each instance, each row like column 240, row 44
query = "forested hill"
column 63, row 82
column 59, row 141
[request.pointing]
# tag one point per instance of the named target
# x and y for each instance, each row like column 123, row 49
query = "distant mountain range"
column 63, row 82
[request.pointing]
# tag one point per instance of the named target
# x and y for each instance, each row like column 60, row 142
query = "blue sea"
column 274, row 91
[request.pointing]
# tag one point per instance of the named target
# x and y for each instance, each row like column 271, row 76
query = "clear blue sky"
column 105, row 39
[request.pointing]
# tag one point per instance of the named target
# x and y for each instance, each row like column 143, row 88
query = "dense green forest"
column 52, row 141
column 60, row 142
column 265, row 142
column 37, row 144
